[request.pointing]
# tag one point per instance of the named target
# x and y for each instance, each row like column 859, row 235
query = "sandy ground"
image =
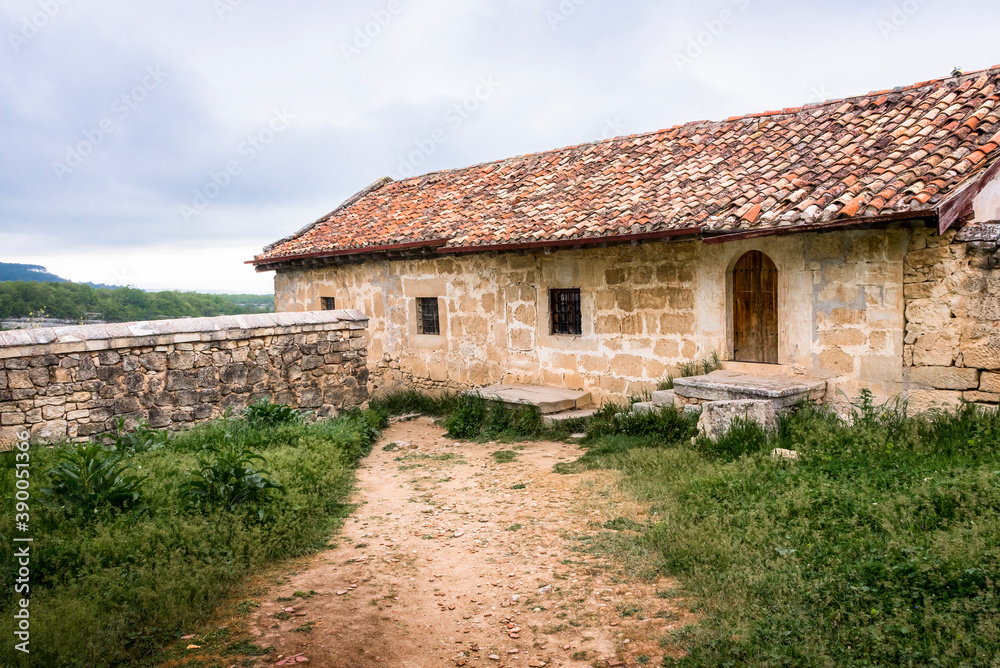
column 453, row 559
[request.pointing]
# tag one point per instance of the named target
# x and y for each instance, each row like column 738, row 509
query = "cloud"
column 569, row 71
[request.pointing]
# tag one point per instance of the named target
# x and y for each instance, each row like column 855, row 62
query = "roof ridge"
column 788, row 111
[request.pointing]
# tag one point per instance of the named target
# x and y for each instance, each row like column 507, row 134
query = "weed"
column 226, row 478
column 142, row 438
column 519, row 485
column 89, row 479
column 513, row 527
column 305, row 628
column 504, row 456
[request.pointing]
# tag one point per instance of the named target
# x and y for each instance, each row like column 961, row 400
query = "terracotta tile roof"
column 904, row 151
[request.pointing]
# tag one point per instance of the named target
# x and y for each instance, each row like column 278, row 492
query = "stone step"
column 566, row 416
column 644, row 407
column 547, row 400
column 782, row 391
column 664, row 398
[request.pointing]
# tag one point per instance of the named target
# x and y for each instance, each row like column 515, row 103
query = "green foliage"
column 666, row 424
column 878, row 547
column 226, row 479
column 89, row 480
column 504, row 456
column 142, row 438
column 262, row 414
column 113, row 591
column 72, row 301
column 407, row 402
column 466, row 421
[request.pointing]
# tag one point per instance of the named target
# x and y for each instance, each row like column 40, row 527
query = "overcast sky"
column 162, row 143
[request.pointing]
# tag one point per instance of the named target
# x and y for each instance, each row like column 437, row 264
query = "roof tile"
column 859, row 157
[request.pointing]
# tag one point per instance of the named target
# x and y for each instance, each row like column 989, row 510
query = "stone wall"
column 73, row 382
column 646, row 309
column 952, row 286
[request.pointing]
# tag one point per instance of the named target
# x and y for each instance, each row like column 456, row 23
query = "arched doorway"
column 755, row 309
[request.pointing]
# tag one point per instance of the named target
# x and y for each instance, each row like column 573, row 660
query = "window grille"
column 329, row 303
column 428, row 320
column 566, row 315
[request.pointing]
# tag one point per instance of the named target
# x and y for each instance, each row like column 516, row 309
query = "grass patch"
column 113, row 587
column 697, row 368
column 879, row 547
column 504, row 456
column 408, row 402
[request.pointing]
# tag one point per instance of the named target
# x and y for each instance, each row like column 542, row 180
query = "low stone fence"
column 74, row 382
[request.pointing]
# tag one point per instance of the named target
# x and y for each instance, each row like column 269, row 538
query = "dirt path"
column 455, row 559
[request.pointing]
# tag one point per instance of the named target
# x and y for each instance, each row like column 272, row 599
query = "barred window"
column 428, row 320
column 329, row 303
column 565, row 308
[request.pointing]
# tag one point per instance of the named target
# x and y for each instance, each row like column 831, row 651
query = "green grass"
column 879, row 547
column 504, row 456
column 696, row 368
column 408, row 402
column 114, row 590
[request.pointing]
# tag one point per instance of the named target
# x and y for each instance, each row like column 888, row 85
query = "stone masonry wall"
column 73, row 382
column 952, row 346
column 646, row 309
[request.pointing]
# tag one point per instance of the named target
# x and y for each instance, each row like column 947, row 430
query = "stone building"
column 850, row 241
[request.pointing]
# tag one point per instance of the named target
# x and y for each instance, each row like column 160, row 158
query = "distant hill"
column 27, row 272
column 28, row 290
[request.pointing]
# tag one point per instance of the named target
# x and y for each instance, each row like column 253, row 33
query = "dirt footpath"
column 454, row 559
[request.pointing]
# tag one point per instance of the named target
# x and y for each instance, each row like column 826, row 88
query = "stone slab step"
column 547, row 400
column 644, row 407
column 565, row 416
column 782, row 391
column 664, row 398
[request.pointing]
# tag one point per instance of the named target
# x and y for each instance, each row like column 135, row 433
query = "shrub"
column 226, row 479
column 262, row 414
column 88, row 480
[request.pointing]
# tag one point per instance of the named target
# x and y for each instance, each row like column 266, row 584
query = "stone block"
column 922, row 401
column 52, row 431
column 945, row 378
column 983, row 352
column 939, row 348
column 989, row 382
column 718, row 416
column 664, row 398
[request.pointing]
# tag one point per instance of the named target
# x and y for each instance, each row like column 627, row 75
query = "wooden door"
column 755, row 309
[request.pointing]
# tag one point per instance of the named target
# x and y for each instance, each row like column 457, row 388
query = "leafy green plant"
column 89, row 479
column 262, row 414
column 226, row 479
column 142, row 438
column 466, row 421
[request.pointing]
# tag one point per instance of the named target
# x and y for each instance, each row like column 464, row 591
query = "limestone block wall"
column 952, row 286
column 73, row 382
column 646, row 309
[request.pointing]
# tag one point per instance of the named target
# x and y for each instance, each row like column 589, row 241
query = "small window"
column 329, row 303
column 428, row 321
column 566, row 315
